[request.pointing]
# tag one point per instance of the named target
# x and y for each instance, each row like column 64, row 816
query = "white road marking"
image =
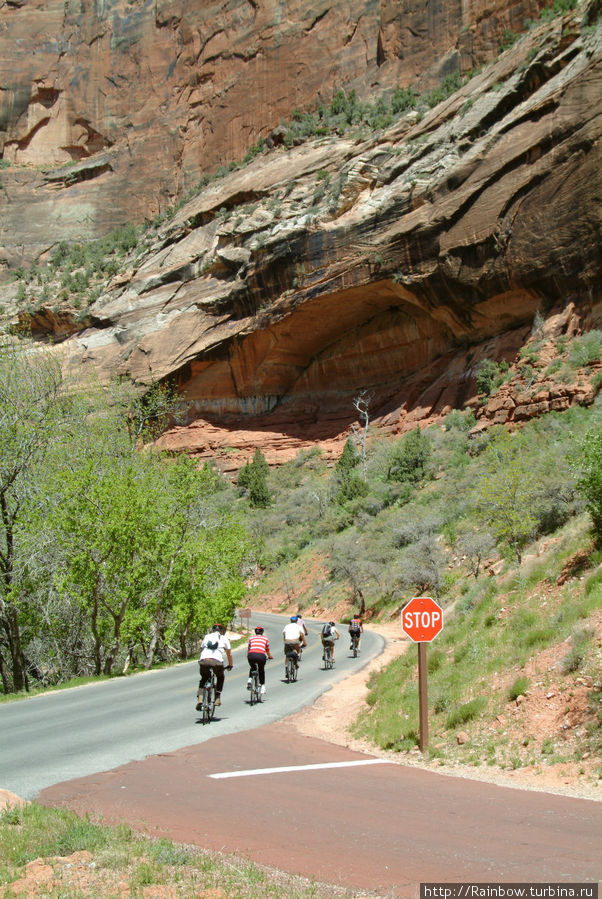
column 252, row 771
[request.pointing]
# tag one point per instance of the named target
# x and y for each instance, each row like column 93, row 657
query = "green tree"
column 410, row 458
column 260, row 464
column 204, row 550
column 349, row 458
column 149, row 414
column 253, row 478
column 30, row 386
column 505, row 493
column 348, row 484
column 487, row 376
column 107, row 526
column 589, row 482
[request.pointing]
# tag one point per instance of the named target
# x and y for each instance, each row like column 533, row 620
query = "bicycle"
column 328, row 656
column 290, row 668
column 355, row 639
column 208, row 701
column 255, row 695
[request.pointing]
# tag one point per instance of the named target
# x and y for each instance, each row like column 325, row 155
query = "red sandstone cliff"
column 109, row 110
column 432, row 245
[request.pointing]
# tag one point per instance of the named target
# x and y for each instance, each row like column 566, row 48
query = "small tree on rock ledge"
column 253, row 478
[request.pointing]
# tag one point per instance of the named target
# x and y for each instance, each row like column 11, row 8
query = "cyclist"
column 258, row 652
column 294, row 638
column 356, row 629
column 301, row 624
column 213, row 647
column 329, row 635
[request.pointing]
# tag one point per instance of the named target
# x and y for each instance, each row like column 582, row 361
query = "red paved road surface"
column 380, row 828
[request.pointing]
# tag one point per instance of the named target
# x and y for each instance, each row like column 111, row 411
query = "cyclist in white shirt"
column 301, row 624
column 213, row 647
column 294, row 637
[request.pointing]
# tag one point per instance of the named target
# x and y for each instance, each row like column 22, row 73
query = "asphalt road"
column 73, row 733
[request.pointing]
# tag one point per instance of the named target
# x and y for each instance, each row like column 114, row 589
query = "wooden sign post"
column 421, row 621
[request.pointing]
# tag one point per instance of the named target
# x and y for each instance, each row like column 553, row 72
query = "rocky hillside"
column 389, row 255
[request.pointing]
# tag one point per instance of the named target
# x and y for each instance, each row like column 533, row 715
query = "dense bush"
column 410, row 458
column 253, row 479
column 590, row 476
column 487, row 376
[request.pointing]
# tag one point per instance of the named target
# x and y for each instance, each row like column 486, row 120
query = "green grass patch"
column 120, row 855
column 479, row 642
column 518, row 687
column 465, row 712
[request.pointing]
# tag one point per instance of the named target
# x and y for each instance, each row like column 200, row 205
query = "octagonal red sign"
column 422, row 619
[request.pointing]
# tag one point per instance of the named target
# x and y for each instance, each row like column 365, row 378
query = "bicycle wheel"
column 329, row 658
column 213, row 697
column 207, row 704
column 255, row 688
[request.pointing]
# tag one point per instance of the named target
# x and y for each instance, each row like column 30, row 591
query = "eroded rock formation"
column 178, row 88
column 391, row 263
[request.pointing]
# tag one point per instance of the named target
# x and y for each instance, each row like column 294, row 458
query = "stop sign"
column 422, row 619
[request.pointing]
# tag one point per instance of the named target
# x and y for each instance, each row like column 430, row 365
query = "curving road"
column 68, row 734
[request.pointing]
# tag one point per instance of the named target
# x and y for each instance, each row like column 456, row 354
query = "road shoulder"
column 334, row 712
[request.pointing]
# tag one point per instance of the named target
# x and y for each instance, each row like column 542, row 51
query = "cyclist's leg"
column 261, row 673
column 205, row 671
column 252, row 659
column 218, row 667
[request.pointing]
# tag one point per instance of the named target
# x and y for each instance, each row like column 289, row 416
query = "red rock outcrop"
column 133, row 101
column 391, row 263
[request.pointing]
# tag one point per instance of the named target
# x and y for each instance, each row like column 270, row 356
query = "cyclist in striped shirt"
column 258, row 652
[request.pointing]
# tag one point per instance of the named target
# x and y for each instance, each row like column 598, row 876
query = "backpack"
column 213, row 645
column 327, row 630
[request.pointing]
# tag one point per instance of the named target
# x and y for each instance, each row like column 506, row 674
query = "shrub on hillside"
column 410, row 458
column 487, row 376
column 590, row 480
column 465, row 712
column 348, row 484
column 586, row 349
column 518, row 687
column 459, row 420
column 575, row 657
column 252, row 478
column 504, row 493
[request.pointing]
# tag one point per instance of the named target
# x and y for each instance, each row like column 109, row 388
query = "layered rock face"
column 108, row 111
column 387, row 264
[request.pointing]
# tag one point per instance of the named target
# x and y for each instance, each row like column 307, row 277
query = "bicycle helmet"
column 259, row 630
column 293, row 617
column 331, row 623
column 218, row 627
